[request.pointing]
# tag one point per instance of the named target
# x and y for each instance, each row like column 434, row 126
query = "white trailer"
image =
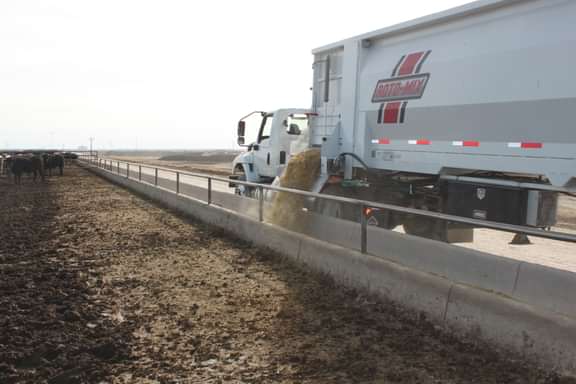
column 468, row 111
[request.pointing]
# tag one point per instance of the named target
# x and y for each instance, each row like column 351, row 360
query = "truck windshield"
column 266, row 127
column 253, row 125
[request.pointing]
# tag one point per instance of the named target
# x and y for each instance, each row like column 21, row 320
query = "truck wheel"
column 241, row 189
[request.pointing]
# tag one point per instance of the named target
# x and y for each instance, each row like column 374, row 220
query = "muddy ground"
column 99, row 286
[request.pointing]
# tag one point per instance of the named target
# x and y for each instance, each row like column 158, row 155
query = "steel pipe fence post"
column 139, row 173
column 260, row 203
column 209, row 191
column 363, row 229
column 127, row 171
column 177, row 183
column 118, row 167
column 156, row 176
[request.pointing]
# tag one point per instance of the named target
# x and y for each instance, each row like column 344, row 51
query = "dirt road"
column 99, row 286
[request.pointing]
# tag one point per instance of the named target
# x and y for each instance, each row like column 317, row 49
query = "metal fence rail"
column 115, row 167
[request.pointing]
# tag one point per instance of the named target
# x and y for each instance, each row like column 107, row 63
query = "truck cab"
column 270, row 139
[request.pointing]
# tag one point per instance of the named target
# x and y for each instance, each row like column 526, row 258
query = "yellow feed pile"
column 301, row 173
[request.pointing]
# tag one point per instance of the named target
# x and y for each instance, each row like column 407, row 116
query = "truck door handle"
column 268, row 158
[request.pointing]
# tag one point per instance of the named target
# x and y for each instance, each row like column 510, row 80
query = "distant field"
column 203, row 155
column 212, row 161
column 210, row 157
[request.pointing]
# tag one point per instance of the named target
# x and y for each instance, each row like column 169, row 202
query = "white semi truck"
column 470, row 112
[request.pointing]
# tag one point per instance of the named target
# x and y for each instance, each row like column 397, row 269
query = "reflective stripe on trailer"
column 467, row 143
column 381, row 141
column 419, row 142
column 464, row 143
column 525, row 145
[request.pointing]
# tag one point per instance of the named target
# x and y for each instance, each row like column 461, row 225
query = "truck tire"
column 241, row 189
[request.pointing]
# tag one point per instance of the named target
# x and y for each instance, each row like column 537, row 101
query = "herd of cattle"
column 35, row 164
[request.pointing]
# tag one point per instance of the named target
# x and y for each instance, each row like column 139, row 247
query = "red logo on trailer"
column 406, row 83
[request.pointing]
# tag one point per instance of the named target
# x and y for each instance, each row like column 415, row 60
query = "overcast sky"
column 165, row 74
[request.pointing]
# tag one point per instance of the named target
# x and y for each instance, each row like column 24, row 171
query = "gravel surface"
column 100, row 286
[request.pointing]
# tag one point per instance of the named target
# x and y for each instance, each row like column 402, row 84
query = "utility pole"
column 91, row 141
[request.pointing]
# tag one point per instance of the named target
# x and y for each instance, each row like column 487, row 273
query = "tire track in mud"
column 127, row 292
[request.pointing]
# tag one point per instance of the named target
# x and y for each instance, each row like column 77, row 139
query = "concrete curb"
column 531, row 328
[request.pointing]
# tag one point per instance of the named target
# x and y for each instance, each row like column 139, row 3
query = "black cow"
column 27, row 164
column 53, row 161
column 70, row 156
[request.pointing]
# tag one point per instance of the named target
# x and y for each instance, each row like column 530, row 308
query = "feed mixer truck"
column 470, row 112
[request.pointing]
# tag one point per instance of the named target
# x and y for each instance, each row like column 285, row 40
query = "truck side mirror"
column 240, row 140
column 241, row 128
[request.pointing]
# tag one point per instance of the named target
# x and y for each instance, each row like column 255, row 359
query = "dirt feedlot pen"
column 100, row 285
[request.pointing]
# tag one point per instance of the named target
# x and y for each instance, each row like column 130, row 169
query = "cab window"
column 266, row 127
column 296, row 124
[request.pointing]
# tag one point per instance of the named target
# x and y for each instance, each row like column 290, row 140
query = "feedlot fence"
column 154, row 175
